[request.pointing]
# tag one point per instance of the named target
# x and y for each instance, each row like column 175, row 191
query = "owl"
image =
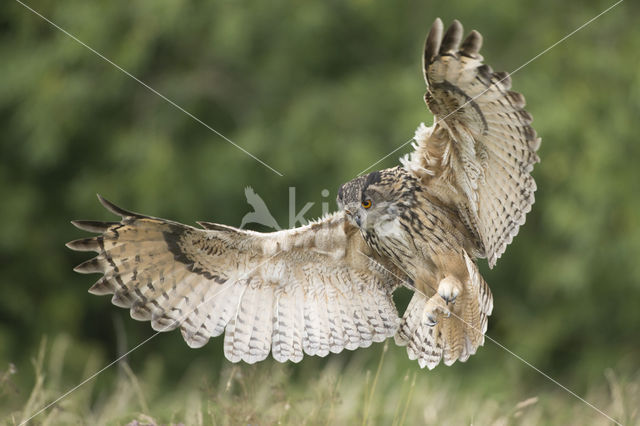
column 461, row 195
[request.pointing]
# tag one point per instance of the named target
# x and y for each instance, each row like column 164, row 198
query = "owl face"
column 377, row 207
column 368, row 201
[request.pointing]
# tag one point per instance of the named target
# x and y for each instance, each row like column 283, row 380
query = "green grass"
column 270, row 393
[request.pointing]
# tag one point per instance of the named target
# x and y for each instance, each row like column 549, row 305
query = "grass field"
column 268, row 393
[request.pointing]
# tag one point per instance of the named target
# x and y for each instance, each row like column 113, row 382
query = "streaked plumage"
column 461, row 195
column 479, row 154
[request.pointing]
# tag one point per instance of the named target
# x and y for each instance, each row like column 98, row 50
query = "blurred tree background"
column 319, row 91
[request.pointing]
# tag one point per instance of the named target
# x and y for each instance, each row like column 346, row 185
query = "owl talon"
column 432, row 319
column 435, row 307
column 449, row 289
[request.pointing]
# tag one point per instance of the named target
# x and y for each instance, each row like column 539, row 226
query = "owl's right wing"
column 308, row 290
column 479, row 154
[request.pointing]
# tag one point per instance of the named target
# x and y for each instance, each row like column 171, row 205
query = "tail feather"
column 454, row 337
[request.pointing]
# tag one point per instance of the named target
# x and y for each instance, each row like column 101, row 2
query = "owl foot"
column 449, row 288
column 435, row 306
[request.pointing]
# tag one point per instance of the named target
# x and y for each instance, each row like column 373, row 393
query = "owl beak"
column 355, row 216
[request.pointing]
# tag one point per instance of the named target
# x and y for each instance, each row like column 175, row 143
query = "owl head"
column 372, row 199
column 350, row 194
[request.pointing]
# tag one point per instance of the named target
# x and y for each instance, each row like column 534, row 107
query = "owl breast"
column 419, row 234
column 392, row 230
column 392, row 239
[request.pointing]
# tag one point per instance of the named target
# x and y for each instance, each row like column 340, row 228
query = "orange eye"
column 366, row 204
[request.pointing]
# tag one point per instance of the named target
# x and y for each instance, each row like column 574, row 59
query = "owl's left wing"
column 306, row 290
column 479, row 154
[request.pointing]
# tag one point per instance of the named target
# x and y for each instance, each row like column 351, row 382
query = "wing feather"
column 337, row 335
column 364, row 321
column 299, row 324
column 480, row 152
column 306, row 290
column 283, row 327
column 260, row 343
column 239, row 347
column 349, row 312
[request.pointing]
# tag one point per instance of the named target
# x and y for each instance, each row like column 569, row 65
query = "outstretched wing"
column 305, row 290
column 480, row 152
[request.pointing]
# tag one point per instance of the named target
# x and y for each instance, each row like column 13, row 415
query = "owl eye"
column 366, row 203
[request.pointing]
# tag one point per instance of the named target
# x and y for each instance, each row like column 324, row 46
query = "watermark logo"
column 261, row 215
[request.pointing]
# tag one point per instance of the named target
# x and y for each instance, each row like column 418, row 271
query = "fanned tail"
column 457, row 334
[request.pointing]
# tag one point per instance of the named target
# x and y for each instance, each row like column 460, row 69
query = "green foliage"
column 319, row 91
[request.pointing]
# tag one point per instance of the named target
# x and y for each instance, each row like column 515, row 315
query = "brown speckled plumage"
column 461, row 195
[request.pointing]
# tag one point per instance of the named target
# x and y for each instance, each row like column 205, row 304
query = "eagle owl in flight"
column 461, row 195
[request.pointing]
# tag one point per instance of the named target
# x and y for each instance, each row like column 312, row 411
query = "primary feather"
column 480, row 151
